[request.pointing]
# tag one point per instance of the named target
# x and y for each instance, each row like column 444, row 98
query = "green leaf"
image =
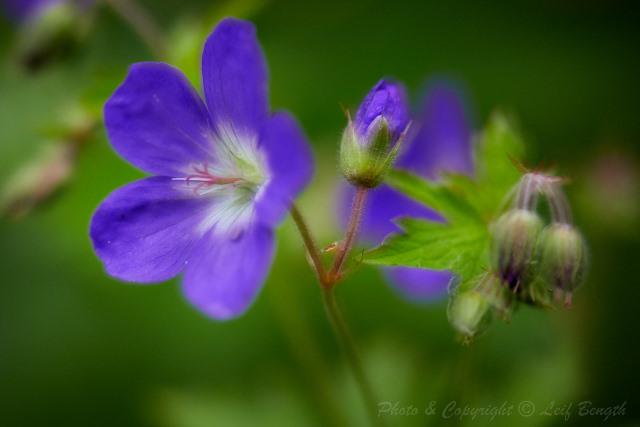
column 468, row 204
column 442, row 197
column 458, row 248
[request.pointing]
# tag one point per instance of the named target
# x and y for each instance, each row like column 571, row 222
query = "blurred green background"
column 80, row 349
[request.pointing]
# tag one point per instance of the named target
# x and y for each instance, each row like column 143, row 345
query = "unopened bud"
column 469, row 312
column 515, row 236
column 365, row 163
column 563, row 258
column 371, row 142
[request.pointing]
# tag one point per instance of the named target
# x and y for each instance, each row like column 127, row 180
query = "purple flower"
column 226, row 172
column 441, row 142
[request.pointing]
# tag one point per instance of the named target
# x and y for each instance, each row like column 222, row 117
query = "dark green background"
column 80, row 349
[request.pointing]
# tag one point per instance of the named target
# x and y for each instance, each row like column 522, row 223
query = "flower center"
column 231, row 181
column 204, row 180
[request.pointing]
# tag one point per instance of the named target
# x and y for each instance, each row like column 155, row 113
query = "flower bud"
column 515, row 235
column 371, row 142
column 563, row 259
column 469, row 312
column 365, row 164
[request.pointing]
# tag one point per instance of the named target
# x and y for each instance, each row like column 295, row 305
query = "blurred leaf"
column 498, row 152
column 184, row 47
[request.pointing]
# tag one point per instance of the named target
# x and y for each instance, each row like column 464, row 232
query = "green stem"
column 349, row 347
column 328, row 282
column 310, row 245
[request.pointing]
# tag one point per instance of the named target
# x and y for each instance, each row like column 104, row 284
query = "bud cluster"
column 531, row 262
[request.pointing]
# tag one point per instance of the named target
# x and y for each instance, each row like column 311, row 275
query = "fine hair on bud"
column 365, row 163
column 527, row 191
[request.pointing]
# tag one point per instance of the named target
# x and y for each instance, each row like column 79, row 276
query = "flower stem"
column 327, row 282
column 310, row 245
column 350, row 236
column 142, row 23
column 349, row 347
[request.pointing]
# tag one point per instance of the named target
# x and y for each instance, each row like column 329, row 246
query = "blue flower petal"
column 145, row 231
column 417, row 284
column 157, row 121
column 224, row 275
column 234, row 77
column 442, row 141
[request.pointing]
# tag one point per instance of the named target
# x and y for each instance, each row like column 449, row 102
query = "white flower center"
column 231, row 181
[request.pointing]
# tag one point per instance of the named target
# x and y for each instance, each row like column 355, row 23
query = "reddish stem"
column 352, row 231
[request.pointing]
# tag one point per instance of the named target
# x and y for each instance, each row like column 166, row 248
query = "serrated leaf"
column 461, row 248
column 468, row 204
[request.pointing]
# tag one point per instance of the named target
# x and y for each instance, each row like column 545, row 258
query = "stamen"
column 205, row 179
